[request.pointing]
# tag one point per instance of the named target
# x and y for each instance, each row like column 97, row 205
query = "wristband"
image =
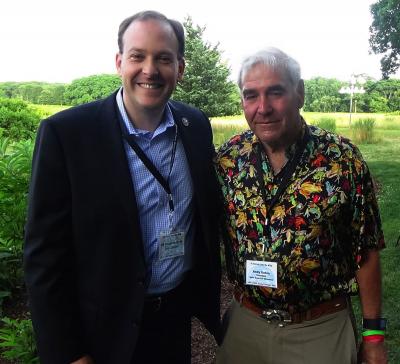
column 374, row 339
column 373, row 336
column 374, row 324
column 373, row 332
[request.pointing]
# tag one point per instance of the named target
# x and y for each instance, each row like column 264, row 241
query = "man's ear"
column 300, row 94
column 181, row 68
column 118, row 60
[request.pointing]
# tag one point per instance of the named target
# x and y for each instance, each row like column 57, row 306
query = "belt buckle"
column 282, row 318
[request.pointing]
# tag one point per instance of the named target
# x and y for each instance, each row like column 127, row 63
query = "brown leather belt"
column 283, row 318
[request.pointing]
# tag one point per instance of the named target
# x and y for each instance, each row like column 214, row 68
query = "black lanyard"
column 130, row 138
column 288, row 172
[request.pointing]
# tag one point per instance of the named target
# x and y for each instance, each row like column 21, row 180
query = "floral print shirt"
column 318, row 230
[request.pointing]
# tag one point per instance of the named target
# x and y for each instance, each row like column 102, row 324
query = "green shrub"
column 363, row 131
column 18, row 342
column 15, row 168
column 18, row 120
column 91, row 88
column 326, row 123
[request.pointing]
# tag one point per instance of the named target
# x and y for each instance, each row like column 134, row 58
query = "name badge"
column 261, row 273
column 171, row 245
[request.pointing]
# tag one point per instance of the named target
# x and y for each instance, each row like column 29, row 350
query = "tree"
column 322, row 94
column 45, row 97
column 58, row 91
column 30, row 91
column 383, row 95
column 385, row 34
column 34, row 92
column 91, row 88
column 9, row 89
column 18, row 120
column 205, row 83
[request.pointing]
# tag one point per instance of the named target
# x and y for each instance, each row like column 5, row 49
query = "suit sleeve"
column 49, row 255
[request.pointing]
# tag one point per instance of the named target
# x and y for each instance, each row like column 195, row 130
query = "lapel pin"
column 185, row 122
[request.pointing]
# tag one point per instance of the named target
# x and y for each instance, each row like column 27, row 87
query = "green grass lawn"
column 383, row 158
column 48, row 110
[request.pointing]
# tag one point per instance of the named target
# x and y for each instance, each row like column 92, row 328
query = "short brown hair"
column 150, row 14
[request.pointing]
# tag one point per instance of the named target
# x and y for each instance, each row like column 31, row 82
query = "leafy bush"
column 17, row 119
column 363, row 131
column 15, row 168
column 17, row 340
column 327, row 123
column 91, row 88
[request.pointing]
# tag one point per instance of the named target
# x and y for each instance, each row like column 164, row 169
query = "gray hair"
column 274, row 58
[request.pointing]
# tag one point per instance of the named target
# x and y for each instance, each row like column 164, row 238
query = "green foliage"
column 327, row 123
column 385, row 34
column 91, row 88
column 17, row 119
column 205, row 83
column 34, row 92
column 364, row 130
column 18, row 342
column 383, row 95
column 322, row 94
column 47, row 110
column 15, row 167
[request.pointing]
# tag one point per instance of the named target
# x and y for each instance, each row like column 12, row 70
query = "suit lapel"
column 183, row 121
column 112, row 151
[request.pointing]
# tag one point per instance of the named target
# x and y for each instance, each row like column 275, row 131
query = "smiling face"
column 271, row 106
column 149, row 66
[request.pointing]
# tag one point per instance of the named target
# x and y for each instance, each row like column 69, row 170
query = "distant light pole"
column 353, row 89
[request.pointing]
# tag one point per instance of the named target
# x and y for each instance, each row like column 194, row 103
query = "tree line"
column 207, row 85
column 322, row 94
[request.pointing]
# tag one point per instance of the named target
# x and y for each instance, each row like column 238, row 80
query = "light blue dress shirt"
column 152, row 200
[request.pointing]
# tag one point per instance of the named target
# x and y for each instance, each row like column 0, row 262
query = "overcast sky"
column 59, row 41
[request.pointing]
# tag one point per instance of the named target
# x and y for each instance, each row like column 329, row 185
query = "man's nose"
column 264, row 106
column 150, row 67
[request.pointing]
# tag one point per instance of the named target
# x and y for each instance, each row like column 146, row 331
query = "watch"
column 374, row 324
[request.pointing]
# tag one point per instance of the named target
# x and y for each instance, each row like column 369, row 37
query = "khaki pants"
column 249, row 339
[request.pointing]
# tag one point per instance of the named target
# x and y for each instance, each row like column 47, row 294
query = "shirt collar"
column 167, row 120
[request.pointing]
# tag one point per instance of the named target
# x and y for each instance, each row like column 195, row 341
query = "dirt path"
column 203, row 344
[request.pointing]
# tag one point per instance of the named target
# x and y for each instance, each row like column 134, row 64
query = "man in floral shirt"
column 302, row 230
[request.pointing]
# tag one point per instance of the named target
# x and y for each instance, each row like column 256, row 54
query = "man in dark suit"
column 121, row 239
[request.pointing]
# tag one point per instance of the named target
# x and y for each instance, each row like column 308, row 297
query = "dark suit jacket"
column 83, row 259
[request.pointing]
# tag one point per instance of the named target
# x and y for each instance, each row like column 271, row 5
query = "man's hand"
column 84, row 360
column 373, row 353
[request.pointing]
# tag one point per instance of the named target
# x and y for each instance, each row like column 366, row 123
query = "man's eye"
column 136, row 57
column 249, row 96
column 276, row 92
column 165, row 59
